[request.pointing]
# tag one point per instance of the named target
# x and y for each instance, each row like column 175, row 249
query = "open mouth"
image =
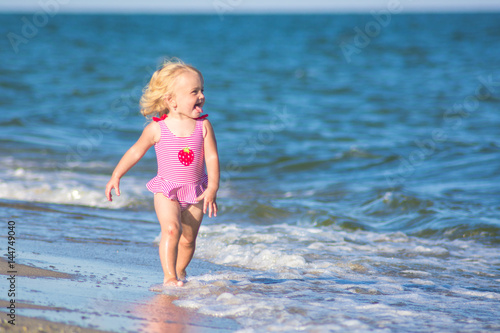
column 197, row 107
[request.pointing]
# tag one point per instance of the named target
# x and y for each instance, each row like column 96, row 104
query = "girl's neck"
column 178, row 116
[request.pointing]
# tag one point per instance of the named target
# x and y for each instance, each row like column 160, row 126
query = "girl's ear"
column 170, row 101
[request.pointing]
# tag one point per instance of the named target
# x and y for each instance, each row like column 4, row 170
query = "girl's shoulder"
column 153, row 131
column 207, row 127
column 205, row 123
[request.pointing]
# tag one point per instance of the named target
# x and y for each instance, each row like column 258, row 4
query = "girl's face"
column 189, row 98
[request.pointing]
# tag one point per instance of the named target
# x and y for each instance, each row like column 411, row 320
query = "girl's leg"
column 169, row 216
column 191, row 221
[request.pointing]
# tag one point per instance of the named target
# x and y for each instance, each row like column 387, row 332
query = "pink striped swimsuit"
column 181, row 165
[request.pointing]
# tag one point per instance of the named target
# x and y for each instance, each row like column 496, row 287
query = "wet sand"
column 26, row 324
column 31, row 271
column 69, row 284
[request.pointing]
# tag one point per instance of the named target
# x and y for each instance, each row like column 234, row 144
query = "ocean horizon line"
column 242, row 12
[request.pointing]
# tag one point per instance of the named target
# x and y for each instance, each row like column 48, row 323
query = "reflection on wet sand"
column 161, row 315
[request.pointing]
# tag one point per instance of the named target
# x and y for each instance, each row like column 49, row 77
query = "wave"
column 391, row 204
column 385, row 212
column 448, row 214
column 69, row 188
column 484, row 233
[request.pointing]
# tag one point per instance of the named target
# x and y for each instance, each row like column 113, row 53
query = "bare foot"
column 173, row 282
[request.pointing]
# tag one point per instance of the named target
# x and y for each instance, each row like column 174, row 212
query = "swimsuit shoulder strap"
column 161, row 118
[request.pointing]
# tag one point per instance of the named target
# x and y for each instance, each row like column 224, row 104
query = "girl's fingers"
column 108, row 193
column 205, row 205
column 208, row 203
column 109, row 188
column 212, row 209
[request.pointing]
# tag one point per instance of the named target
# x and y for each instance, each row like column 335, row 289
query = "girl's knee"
column 187, row 241
column 172, row 230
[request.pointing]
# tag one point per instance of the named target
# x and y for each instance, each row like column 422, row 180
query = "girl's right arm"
column 149, row 137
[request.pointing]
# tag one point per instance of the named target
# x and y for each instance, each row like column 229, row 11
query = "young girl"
column 184, row 143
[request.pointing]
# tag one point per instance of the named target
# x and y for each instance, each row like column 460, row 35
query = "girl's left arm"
column 131, row 157
column 213, row 170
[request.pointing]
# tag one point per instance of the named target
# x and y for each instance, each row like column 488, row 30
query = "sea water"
column 359, row 159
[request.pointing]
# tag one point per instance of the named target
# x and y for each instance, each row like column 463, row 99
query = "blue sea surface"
column 360, row 159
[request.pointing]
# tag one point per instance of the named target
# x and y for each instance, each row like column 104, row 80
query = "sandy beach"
column 26, row 324
column 154, row 313
column 66, row 284
column 20, row 323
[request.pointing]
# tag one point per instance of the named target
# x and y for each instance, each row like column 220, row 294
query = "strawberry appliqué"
column 186, row 156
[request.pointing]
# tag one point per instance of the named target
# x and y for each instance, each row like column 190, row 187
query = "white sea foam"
column 319, row 280
column 65, row 187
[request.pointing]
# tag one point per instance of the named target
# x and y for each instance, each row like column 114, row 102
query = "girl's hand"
column 113, row 183
column 209, row 197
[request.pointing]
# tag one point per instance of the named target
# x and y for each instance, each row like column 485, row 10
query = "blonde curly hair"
column 162, row 84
